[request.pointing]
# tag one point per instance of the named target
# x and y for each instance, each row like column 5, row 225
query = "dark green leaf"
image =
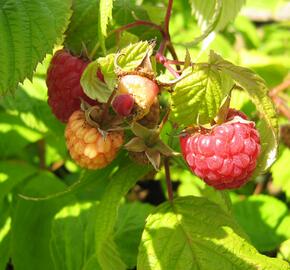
column 120, row 183
column 5, row 233
column 129, row 227
column 31, row 224
column 69, row 245
column 84, row 16
column 29, row 30
column 12, row 173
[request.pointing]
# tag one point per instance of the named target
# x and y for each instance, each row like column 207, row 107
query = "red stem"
column 167, row 17
column 138, row 23
column 171, row 70
column 282, row 86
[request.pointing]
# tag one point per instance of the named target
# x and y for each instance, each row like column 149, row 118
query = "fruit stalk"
column 168, row 179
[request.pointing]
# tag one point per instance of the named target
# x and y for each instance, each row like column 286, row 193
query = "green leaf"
column 32, row 224
column 193, row 233
column 84, row 16
column 93, row 86
column 68, row 243
column 258, row 92
column 255, row 214
column 197, row 97
column 37, row 24
column 120, row 183
column 204, row 11
column 284, row 250
column 248, row 30
column 12, row 173
column 281, row 175
column 15, row 135
column 192, row 185
column 5, row 233
column 29, row 104
column 106, row 64
column 213, row 15
column 208, row 22
column 129, row 227
column 132, row 55
column 105, row 16
column 130, row 58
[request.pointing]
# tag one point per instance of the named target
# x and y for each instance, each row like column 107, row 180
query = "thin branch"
column 173, row 54
column 168, row 179
column 167, row 17
column 277, row 89
column 171, row 70
column 139, row 23
column 107, row 106
column 41, row 153
column 281, row 106
column 164, row 119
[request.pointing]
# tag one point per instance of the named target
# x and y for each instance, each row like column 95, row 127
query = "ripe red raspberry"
column 87, row 146
column 143, row 90
column 63, row 83
column 224, row 157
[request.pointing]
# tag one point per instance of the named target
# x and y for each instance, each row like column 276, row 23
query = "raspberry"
column 123, row 104
column 86, row 144
column 143, row 90
column 224, row 157
column 63, row 83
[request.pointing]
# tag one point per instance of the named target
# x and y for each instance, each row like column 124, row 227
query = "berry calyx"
column 63, row 83
column 151, row 119
column 142, row 89
column 123, row 104
column 225, row 156
column 87, row 146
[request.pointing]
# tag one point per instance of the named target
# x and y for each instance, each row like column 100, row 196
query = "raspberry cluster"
column 224, row 156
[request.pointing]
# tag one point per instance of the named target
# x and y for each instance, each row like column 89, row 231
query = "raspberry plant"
column 148, row 137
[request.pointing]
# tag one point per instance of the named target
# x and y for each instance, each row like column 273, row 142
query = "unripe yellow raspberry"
column 86, row 145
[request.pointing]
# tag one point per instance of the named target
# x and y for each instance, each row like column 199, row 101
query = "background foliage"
column 96, row 219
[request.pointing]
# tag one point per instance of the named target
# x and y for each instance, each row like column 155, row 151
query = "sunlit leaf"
column 198, row 235
column 258, row 92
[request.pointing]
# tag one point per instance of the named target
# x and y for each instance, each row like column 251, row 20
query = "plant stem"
column 41, row 153
column 280, row 103
column 277, row 89
column 281, row 106
column 164, row 120
column 167, row 18
column 168, row 179
column 139, row 23
column 107, row 106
